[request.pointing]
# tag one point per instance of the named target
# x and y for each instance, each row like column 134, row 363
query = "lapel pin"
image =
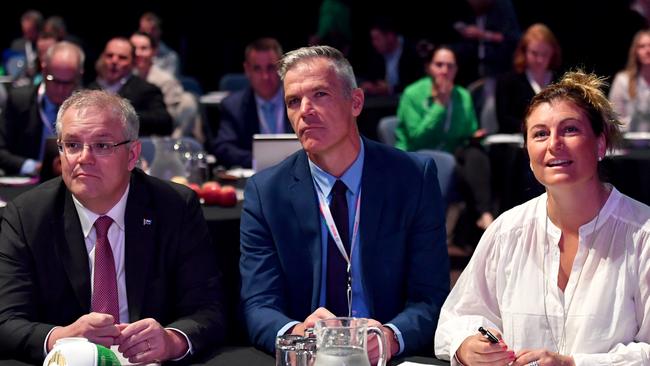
column 146, row 222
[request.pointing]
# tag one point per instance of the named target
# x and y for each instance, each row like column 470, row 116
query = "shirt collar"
column 88, row 218
column 397, row 52
column 277, row 99
column 352, row 177
column 115, row 87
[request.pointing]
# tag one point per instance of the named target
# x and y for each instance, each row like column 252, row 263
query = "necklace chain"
column 560, row 343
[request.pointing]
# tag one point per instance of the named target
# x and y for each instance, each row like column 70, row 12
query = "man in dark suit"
column 28, row 119
column 115, row 74
column 106, row 252
column 393, row 64
column 258, row 108
column 391, row 228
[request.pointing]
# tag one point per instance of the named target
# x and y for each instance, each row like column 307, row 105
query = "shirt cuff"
column 286, row 328
column 47, row 337
column 190, row 349
column 400, row 339
column 28, row 167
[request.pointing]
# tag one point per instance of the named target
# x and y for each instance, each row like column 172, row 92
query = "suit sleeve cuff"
column 28, row 167
column 286, row 328
column 190, row 349
column 398, row 334
column 47, row 337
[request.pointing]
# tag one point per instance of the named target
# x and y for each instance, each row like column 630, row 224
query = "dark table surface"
column 249, row 356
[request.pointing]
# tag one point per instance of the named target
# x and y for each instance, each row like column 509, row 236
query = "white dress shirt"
column 115, row 238
column 511, row 284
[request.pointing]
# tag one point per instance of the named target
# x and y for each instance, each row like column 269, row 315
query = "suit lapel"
column 372, row 195
column 301, row 193
column 251, row 118
column 140, row 227
column 72, row 251
column 372, row 204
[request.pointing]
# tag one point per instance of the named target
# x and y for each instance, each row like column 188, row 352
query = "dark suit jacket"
column 171, row 274
column 404, row 255
column 147, row 99
column 21, row 129
column 513, row 94
column 410, row 67
column 239, row 122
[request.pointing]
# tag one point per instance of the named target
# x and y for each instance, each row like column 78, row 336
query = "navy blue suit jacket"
column 239, row 122
column 402, row 228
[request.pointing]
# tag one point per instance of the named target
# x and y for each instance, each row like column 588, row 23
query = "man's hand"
column 96, row 327
column 310, row 322
column 373, row 343
column 146, row 341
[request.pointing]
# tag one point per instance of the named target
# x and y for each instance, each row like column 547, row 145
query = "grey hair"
column 66, row 46
column 338, row 62
column 119, row 108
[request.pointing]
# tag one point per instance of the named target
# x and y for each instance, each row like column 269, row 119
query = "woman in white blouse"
column 563, row 279
column 630, row 92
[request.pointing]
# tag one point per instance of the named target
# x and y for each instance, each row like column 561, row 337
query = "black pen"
column 488, row 335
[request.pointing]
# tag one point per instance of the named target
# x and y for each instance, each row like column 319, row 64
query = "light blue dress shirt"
column 324, row 182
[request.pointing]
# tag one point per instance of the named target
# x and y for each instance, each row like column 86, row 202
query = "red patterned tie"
column 104, row 299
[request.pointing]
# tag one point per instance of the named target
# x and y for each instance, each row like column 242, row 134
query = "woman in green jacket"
column 435, row 114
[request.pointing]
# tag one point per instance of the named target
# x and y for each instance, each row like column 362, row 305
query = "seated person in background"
column 294, row 269
column 630, row 92
column 31, row 24
column 107, row 252
column 394, row 62
column 115, row 75
column 435, row 114
column 563, row 278
column 165, row 58
column 487, row 32
column 182, row 105
column 29, row 117
column 257, row 109
column 537, row 57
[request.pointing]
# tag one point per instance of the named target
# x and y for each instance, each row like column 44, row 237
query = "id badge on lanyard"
column 331, row 227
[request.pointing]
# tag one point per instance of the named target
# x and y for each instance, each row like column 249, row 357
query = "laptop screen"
column 270, row 149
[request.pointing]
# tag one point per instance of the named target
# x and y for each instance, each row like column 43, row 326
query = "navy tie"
column 337, row 276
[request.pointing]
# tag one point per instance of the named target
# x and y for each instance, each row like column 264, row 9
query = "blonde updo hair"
column 585, row 91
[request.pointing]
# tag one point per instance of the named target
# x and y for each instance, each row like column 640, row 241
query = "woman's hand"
column 542, row 357
column 477, row 350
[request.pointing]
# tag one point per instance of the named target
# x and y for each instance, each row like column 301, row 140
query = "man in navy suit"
column 258, row 108
column 115, row 75
column 393, row 237
column 155, row 274
column 29, row 117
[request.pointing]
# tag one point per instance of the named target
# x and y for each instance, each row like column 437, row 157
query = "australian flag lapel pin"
column 146, row 222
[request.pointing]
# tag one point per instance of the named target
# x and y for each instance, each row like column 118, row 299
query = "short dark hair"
column 263, row 44
column 152, row 42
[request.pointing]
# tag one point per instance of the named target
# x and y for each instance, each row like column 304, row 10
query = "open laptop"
column 270, row 149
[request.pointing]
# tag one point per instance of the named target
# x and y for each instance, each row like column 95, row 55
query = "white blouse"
column 633, row 112
column 511, row 284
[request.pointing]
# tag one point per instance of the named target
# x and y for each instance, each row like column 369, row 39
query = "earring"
column 600, row 158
